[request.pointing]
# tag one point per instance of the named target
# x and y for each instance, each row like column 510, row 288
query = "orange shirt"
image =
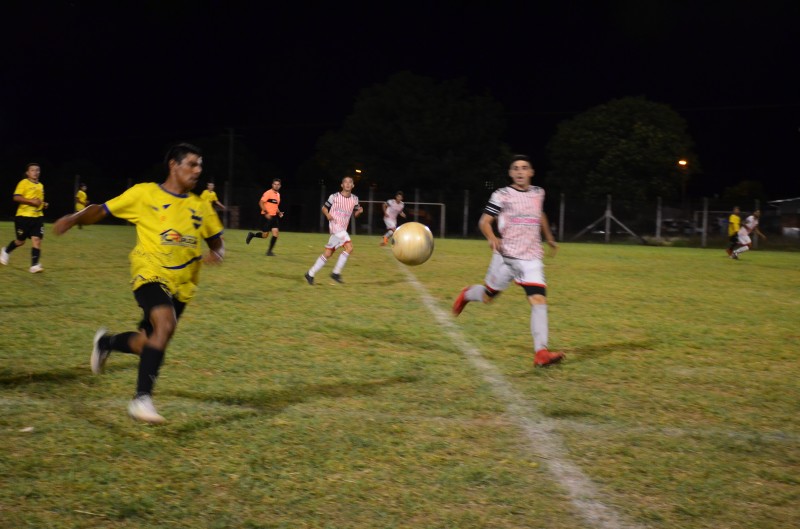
column 270, row 201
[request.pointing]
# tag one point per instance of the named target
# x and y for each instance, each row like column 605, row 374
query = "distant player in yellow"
column 81, row 200
column 171, row 222
column 210, row 196
column 29, row 220
column 734, row 223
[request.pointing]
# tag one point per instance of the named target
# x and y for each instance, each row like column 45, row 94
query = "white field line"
column 540, row 432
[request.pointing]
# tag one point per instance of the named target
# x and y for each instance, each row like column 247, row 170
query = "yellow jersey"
column 733, row 224
column 170, row 229
column 27, row 189
column 209, row 196
column 81, row 200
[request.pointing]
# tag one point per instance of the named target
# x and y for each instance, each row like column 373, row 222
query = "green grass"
column 350, row 406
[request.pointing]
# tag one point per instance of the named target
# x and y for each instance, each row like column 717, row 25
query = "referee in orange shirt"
column 270, row 208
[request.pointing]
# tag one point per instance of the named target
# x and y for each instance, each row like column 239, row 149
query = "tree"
column 628, row 148
column 412, row 132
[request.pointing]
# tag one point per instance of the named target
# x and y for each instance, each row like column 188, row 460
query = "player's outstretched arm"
column 89, row 215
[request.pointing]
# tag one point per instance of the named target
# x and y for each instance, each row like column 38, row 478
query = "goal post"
column 422, row 212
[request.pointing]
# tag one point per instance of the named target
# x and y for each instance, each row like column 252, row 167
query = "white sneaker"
column 3, row 256
column 141, row 408
column 35, row 269
column 99, row 356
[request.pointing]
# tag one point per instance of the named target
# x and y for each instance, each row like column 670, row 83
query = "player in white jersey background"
column 337, row 209
column 513, row 223
column 749, row 226
column 392, row 208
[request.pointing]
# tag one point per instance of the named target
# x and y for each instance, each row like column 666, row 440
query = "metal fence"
column 455, row 214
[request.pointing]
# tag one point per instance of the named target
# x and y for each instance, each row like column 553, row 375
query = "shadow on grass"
column 272, row 402
column 9, row 379
column 593, row 352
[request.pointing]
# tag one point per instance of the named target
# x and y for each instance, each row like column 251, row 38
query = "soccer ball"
column 412, row 243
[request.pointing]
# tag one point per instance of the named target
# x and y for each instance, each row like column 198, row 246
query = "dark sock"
column 260, row 235
column 149, row 365
column 11, row 247
column 118, row 342
column 272, row 243
column 36, row 253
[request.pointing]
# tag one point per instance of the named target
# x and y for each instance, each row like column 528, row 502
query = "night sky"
column 115, row 82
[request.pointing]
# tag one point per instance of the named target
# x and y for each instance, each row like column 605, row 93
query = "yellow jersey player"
column 81, row 200
column 210, row 196
column 171, row 223
column 29, row 220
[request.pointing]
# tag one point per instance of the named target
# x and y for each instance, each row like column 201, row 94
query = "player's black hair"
column 519, row 157
column 276, row 180
column 32, row 164
column 179, row 151
column 399, row 193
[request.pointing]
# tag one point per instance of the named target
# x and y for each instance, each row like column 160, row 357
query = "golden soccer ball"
column 412, row 243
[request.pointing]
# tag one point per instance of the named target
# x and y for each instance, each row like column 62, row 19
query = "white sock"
column 742, row 249
column 321, row 260
column 340, row 262
column 539, row 329
column 475, row 293
column 387, row 234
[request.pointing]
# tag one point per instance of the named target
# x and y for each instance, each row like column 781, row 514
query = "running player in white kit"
column 337, row 209
column 749, row 226
column 391, row 209
column 513, row 222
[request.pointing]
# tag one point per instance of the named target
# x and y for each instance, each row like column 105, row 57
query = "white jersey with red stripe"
column 519, row 217
column 750, row 223
column 341, row 208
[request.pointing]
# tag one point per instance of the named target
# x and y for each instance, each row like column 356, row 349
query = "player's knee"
column 535, row 293
column 489, row 294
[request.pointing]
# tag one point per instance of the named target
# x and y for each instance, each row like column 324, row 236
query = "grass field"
column 366, row 405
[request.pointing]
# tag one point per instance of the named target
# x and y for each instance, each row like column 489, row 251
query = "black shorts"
column 152, row 295
column 271, row 223
column 27, row 227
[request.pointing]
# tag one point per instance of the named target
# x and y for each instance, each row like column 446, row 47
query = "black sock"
column 36, row 253
column 118, row 342
column 149, row 365
column 11, row 247
column 260, row 235
column 272, row 243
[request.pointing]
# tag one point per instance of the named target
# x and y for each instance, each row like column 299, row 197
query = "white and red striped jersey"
column 393, row 209
column 519, row 217
column 341, row 208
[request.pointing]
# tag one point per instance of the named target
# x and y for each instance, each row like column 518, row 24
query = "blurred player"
column 210, row 196
column 516, row 213
column 337, row 209
column 81, row 200
column 744, row 242
column 391, row 209
column 29, row 220
column 170, row 224
column 734, row 223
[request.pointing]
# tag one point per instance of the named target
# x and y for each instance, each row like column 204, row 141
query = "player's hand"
column 494, row 244
column 280, row 214
column 212, row 258
column 553, row 248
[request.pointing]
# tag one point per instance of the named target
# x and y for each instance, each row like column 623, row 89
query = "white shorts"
column 338, row 239
column 390, row 224
column 502, row 270
column 744, row 237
